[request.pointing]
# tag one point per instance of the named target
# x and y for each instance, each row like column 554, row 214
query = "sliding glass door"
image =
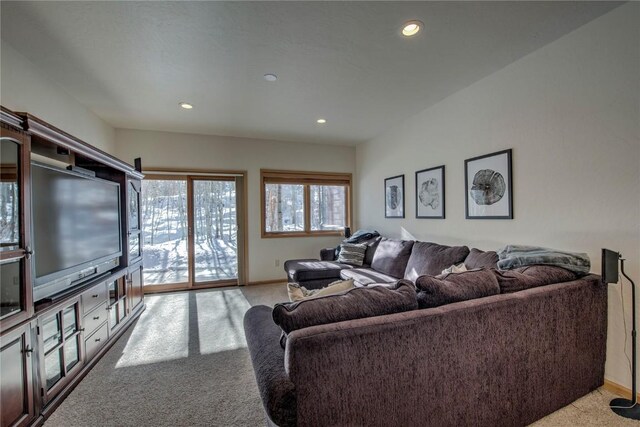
column 190, row 228
column 215, row 230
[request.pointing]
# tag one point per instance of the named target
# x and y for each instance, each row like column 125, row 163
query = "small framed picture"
column 489, row 186
column 394, row 197
column 430, row 193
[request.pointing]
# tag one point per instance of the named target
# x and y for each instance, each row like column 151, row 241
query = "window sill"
column 285, row 234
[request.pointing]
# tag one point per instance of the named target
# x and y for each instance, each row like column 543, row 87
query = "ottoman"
column 313, row 273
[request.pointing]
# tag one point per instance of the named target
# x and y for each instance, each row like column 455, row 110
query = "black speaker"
column 137, row 162
column 347, row 232
column 610, row 260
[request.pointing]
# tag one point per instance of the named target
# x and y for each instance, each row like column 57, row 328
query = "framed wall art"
column 394, row 197
column 430, row 193
column 489, row 186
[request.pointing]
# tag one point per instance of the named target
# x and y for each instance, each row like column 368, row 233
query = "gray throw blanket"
column 514, row 256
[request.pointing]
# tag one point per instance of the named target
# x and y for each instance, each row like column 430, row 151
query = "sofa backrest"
column 391, row 257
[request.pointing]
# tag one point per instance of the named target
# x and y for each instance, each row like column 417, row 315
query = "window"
column 304, row 203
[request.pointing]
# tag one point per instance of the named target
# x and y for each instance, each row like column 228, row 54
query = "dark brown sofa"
column 503, row 360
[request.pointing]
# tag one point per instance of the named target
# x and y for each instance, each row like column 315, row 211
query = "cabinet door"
column 134, row 232
column 60, row 347
column 16, row 303
column 135, row 285
column 16, row 378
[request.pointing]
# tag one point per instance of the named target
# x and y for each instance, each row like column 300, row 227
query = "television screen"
column 76, row 220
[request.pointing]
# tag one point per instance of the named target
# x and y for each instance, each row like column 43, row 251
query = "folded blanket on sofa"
column 513, row 256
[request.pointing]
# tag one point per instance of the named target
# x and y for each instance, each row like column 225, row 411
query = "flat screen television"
column 75, row 228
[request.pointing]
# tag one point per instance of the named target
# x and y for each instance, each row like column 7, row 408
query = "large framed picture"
column 489, row 186
column 430, row 193
column 394, row 197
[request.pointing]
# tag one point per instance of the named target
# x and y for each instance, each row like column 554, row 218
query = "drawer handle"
column 97, row 339
column 94, row 296
column 96, row 318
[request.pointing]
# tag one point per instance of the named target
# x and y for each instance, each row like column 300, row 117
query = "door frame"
column 191, row 175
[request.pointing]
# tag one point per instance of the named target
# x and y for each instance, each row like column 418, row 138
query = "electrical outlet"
column 277, row 263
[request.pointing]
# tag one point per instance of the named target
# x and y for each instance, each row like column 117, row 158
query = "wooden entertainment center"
column 47, row 348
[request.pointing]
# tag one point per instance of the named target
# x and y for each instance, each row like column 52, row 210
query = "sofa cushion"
column 372, row 245
column 352, row 253
column 454, row 287
column 298, row 293
column 302, row 270
column 391, row 257
column 353, row 304
column 531, row 277
column 481, row 259
column 431, row 258
column 366, row 276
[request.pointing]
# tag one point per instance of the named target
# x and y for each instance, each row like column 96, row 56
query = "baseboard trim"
column 267, row 282
column 618, row 389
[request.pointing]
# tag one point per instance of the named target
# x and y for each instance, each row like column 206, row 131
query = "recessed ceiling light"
column 411, row 28
column 186, row 105
column 321, row 121
column 270, row 77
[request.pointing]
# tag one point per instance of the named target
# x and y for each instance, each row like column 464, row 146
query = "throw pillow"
column 391, row 257
column 531, row 277
column 450, row 288
column 352, row 253
column 298, row 293
column 431, row 258
column 355, row 303
column 460, row 268
column 481, row 259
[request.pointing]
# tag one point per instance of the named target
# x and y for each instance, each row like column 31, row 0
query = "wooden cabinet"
column 16, row 381
column 46, row 346
column 16, row 304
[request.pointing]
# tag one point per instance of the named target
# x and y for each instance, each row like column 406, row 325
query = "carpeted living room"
column 371, row 213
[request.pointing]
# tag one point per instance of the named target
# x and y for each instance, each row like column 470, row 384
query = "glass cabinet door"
column 117, row 302
column 9, row 195
column 15, row 285
column 134, row 205
column 60, row 343
column 134, row 241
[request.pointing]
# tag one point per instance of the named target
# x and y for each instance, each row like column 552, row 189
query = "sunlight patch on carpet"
column 162, row 332
column 220, row 317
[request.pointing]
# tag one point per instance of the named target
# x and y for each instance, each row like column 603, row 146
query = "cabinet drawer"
column 92, row 320
column 93, row 297
column 96, row 341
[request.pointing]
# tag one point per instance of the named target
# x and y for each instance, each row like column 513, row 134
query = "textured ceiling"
column 132, row 62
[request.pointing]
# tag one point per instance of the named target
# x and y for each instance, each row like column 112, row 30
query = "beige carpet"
column 185, row 363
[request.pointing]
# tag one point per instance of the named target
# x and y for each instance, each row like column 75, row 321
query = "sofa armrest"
column 466, row 363
column 328, row 254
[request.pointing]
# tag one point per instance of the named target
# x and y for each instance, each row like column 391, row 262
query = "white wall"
column 174, row 150
column 24, row 87
column 570, row 111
